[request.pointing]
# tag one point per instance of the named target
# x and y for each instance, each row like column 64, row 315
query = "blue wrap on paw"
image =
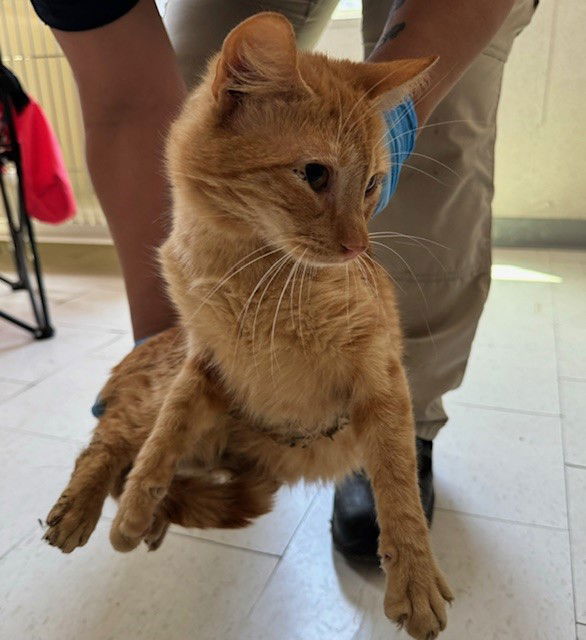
column 401, row 132
column 98, row 408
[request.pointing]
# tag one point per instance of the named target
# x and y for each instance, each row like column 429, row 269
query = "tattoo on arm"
column 392, row 33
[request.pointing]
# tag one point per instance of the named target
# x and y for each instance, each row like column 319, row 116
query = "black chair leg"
column 25, row 254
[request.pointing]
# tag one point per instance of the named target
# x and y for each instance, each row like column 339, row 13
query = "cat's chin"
column 315, row 259
column 325, row 261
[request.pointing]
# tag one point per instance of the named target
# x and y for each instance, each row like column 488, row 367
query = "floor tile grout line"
column 218, row 543
column 481, row 516
column 227, row 545
column 65, row 365
column 45, row 436
column 75, row 296
column 94, row 327
column 14, row 380
column 95, row 351
column 473, row 405
column 25, row 387
column 565, row 471
column 281, row 556
column 17, row 544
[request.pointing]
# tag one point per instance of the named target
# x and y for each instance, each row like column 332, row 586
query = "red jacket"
column 47, row 191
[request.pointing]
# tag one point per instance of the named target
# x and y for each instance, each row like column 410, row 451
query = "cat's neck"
column 237, row 251
column 226, row 241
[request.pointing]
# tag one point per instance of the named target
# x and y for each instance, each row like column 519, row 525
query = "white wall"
column 541, row 151
column 541, row 156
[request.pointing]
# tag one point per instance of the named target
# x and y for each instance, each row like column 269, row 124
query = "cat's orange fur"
column 282, row 336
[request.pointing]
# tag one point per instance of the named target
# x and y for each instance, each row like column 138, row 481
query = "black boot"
column 354, row 527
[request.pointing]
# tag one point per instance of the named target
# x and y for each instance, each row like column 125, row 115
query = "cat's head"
column 287, row 145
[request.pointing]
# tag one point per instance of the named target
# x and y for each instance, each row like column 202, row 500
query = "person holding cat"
column 133, row 72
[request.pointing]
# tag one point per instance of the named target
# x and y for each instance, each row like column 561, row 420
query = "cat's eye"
column 372, row 184
column 317, row 176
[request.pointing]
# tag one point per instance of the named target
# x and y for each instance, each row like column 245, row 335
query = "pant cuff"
column 429, row 430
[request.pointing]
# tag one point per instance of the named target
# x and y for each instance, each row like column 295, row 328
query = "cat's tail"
column 228, row 503
column 218, row 500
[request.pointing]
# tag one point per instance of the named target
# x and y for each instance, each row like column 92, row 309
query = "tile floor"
column 510, row 527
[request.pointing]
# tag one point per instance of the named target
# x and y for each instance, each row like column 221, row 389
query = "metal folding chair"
column 23, row 247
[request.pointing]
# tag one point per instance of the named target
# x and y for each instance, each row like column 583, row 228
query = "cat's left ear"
column 258, row 56
column 392, row 81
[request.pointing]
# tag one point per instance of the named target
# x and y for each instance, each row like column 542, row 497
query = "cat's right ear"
column 258, row 56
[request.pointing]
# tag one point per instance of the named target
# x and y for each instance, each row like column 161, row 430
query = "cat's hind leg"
column 74, row 516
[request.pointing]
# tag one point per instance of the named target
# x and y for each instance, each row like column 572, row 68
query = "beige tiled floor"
column 510, row 528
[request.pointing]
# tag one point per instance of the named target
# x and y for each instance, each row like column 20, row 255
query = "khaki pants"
column 443, row 289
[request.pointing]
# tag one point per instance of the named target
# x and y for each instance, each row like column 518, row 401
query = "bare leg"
column 130, row 90
column 416, row 590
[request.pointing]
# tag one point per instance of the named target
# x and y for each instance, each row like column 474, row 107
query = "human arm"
column 454, row 30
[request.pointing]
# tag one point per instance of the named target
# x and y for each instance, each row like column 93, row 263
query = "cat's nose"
column 350, row 251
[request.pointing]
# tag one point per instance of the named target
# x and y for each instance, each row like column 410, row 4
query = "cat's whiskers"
column 272, row 353
column 382, row 142
column 398, row 234
column 360, row 118
column 275, row 271
column 372, row 270
column 376, row 262
column 242, row 315
column 312, row 271
column 404, row 115
column 419, row 170
column 340, row 122
column 439, row 124
column 362, row 274
column 428, row 126
column 227, row 276
column 365, row 274
column 425, row 94
column 300, row 327
column 416, row 282
column 348, row 299
column 291, row 301
column 432, row 159
column 425, row 173
column 355, row 275
column 230, row 274
column 374, row 105
column 416, row 241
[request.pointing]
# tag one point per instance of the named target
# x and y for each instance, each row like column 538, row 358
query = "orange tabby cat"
column 287, row 364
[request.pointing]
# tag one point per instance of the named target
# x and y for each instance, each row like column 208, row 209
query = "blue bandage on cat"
column 401, row 132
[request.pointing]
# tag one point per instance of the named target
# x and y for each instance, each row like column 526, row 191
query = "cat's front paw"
column 416, row 593
column 136, row 513
column 72, row 520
